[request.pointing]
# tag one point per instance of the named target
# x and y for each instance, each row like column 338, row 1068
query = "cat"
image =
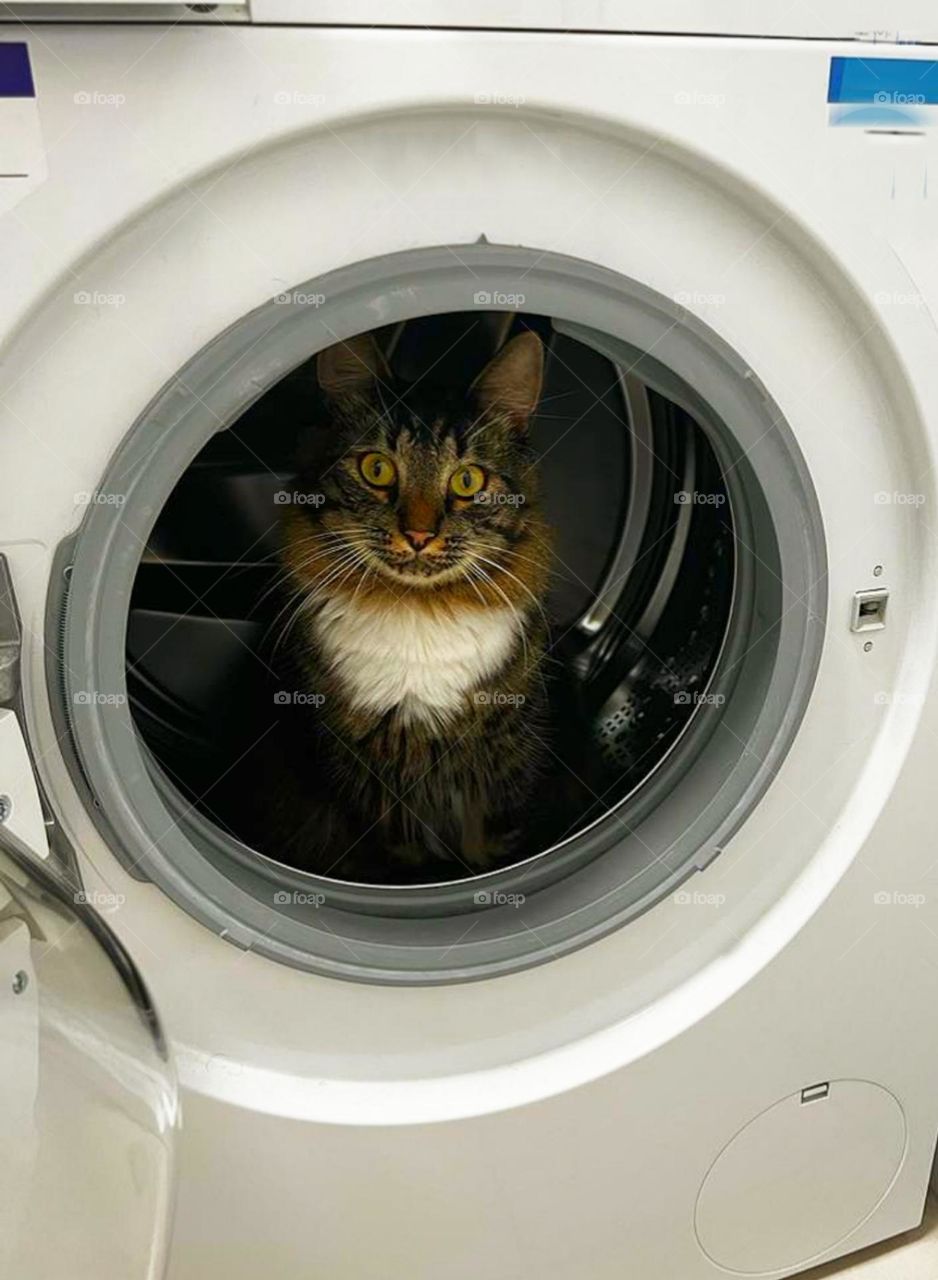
column 416, row 642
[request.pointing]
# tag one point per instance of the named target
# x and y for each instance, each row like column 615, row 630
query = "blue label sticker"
column 877, row 93
column 912, row 81
column 16, row 77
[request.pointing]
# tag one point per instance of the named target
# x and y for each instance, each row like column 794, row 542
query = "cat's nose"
column 418, row 538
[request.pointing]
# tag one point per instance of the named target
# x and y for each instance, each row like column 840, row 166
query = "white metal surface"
column 864, row 20
column 831, row 1159
column 561, row 1121
column 835, row 19
column 913, row 1256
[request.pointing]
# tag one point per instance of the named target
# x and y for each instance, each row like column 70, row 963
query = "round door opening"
column 351, row 704
column 430, row 609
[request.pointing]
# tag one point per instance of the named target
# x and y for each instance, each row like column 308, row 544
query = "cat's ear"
column 511, row 382
column 351, row 368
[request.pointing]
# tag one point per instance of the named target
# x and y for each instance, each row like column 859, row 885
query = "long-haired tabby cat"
column 417, row 573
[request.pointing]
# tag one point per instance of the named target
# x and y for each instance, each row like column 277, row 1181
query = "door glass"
column 88, row 1102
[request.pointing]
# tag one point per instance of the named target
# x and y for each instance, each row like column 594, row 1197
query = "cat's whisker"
column 322, row 579
column 472, row 584
column 346, row 544
column 330, row 533
column 515, row 578
column 331, row 547
column 330, row 554
column 504, row 569
column 288, row 571
column 329, row 536
column 285, row 631
column 488, row 578
column 339, row 575
column 369, row 570
column 553, row 417
column 352, row 557
column 284, row 574
column 275, row 583
column 558, row 395
column 302, row 590
column 540, row 564
column 331, row 563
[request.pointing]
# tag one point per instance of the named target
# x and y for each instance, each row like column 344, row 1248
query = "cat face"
column 424, row 488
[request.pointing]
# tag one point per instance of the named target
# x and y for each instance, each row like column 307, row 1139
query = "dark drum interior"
column 640, row 602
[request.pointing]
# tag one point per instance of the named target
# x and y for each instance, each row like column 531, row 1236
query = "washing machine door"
column 88, row 1103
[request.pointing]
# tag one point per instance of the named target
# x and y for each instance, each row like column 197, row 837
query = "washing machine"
column 692, row 1032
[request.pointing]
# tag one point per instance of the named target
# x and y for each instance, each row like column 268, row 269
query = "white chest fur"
column 402, row 656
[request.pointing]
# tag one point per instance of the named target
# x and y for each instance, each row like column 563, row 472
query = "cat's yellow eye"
column 467, row 480
column 378, row 470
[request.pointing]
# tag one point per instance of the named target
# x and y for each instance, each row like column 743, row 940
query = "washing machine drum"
column 678, row 664
column 639, row 604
